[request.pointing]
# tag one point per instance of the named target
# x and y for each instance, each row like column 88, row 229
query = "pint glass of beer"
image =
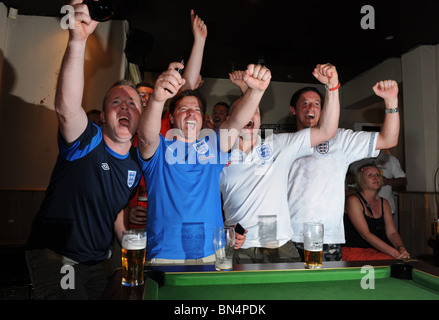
column 313, row 244
column 133, row 256
column 224, row 243
column 142, row 197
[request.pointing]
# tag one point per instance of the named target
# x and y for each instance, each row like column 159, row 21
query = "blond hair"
column 360, row 176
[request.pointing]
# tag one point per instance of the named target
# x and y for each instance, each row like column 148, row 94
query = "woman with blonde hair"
column 369, row 228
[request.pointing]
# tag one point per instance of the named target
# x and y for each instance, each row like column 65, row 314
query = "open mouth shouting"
column 310, row 116
column 191, row 124
column 124, row 121
column 250, row 125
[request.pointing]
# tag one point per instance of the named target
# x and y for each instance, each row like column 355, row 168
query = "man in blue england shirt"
column 94, row 176
column 182, row 170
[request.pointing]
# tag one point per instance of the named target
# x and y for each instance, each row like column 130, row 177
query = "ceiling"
column 290, row 37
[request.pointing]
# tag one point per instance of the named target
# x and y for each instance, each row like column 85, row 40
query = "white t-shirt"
column 317, row 183
column 254, row 188
column 391, row 169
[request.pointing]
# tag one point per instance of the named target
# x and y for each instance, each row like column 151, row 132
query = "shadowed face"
column 250, row 131
column 219, row 115
column 372, row 179
column 145, row 93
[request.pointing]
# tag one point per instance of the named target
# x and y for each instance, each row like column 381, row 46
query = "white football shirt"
column 317, row 182
column 254, row 188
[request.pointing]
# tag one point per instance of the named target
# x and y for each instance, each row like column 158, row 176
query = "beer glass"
column 268, row 230
column 313, row 244
column 142, row 197
column 223, row 243
column 133, row 256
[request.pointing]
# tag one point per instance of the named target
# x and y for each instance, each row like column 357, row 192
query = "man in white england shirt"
column 316, row 182
column 254, row 182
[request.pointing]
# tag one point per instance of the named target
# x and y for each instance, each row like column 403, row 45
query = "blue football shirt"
column 90, row 185
column 184, row 200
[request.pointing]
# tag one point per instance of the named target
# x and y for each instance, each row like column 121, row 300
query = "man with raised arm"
column 254, row 183
column 182, row 174
column 94, row 176
column 317, row 182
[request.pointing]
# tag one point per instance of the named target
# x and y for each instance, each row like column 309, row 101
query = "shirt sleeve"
column 297, row 144
column 397, row 171
column 87, row 141
column 358, row 145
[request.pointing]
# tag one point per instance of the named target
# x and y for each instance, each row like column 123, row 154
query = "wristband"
column 333, row 89
column 392, row 110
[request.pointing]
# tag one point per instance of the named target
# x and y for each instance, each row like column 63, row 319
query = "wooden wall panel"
column 17, row 211
column 417, row 210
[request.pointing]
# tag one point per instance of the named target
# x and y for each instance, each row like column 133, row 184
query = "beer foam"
column 132, row 242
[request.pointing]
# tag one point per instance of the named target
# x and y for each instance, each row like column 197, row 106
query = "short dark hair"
column 221, row 103
column 188, row 93
column 296, row 95
column 94, row 111
column 120, row 83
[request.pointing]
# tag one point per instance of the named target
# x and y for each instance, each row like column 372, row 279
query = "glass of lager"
column 133, row 256
column 313, row 244
column 223, row 243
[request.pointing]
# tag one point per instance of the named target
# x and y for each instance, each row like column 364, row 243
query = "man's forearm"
column 329, row 119
column 69, row 92
column 149, row 128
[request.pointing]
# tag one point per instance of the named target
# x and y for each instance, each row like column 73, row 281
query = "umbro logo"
column 105, row 166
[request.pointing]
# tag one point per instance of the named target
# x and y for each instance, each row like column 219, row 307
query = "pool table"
column 376, row 280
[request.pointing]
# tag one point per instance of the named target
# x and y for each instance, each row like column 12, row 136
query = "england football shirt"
column 317, row 182
column 254, row 188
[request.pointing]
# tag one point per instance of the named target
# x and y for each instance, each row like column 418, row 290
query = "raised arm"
column 237, row 78
column 193, row 67
column 68, row 98
column 257, row 79
column 388, row 136
column 327, row 128
column 166, row 87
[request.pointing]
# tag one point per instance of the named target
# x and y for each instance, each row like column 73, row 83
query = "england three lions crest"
column 131, row 178
column 323, row 148
column 265, row 152
column 201, row 147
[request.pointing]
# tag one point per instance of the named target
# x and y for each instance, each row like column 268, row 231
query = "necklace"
column 366, row 204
